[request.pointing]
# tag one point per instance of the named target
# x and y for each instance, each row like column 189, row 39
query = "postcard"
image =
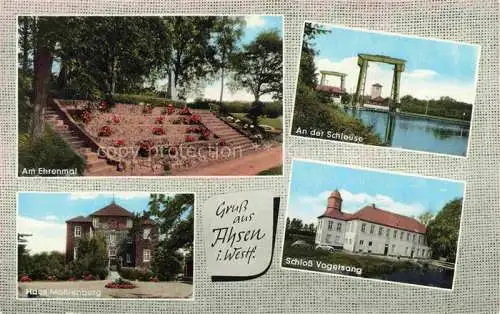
column 373, row 224
column 150, row 95
column 105, row 245
column 385, row 89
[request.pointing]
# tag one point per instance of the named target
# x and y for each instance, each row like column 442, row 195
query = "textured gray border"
column 476, row 287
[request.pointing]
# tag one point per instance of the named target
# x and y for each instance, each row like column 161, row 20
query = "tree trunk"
column 169, row 87
column 43, row 65
column 25, row 45
column 221, row 84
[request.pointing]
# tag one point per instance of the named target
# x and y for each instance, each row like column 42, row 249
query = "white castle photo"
column 371, row 230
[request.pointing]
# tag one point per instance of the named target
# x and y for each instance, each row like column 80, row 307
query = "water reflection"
column 430, row 135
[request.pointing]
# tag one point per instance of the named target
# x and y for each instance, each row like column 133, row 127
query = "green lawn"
column 372, row 266
column 274, row 122
column 272, row 171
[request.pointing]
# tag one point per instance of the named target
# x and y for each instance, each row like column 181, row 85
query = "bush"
column 50, row 152
column 131, row 273
column 271, row 109
column 155, row 101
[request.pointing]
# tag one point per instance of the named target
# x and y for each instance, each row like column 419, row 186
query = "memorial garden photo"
column 105, row 245
column 341, row 220
column 385, row 89
column 150, row 96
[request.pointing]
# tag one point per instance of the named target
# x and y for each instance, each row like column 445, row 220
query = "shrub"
column 25, row 278
column 158, row 131
column 159, row 120
column 147, row 109
column 195, row 119
column 155, row 101
column 146, row 147
column 50, row 152
column 120, row 284
column 205, row 134
column 185, row 111
column 132, row 273
column 190, row 138
column 119, row 143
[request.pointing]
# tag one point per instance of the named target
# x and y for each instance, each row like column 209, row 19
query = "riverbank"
column 422, row 116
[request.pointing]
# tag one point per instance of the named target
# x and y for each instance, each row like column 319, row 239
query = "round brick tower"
column 335, row 201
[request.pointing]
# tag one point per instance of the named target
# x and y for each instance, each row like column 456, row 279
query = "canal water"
column 441, row 278
column 415, row 133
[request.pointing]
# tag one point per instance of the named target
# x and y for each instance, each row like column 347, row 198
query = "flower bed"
column 25, row 278
column 105, row 131
column 120, row 284
column 158, row 131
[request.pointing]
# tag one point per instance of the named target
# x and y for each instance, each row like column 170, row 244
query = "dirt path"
column 249, row 165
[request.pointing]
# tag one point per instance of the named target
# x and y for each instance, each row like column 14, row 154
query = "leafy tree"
column 91, row 256
column 175, row 219
column 442, row 231
column 258, row 68
column 425, row 218
column 23, row 257
column 296, row 224
column 193, row 51
column 307, row 70
column 228, row 31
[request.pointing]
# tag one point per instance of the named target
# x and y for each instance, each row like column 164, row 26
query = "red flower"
column 190, row 138
column 105, row 131
column 86, row 117
column 158, row 131
column 170, row 110
column 116, row 119
column 25, row 278
column 71, row 279
column 119, row 143
column 159, row 120
column 170, row 105
column 195, row 119
column 221, row 142
column 185, row 111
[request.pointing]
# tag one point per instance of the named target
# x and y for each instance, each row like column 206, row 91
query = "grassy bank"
column 274, row 122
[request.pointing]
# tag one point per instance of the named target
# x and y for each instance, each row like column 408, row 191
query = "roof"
column 387, row 218
column 330, row 89
column 80, row 219
column 377, row 85
column 113, row 209
column 336, row 194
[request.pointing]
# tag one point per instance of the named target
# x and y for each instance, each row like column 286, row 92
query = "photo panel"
column 101, row 245
column 374, row 224
column 150, row 95
column 385, row 89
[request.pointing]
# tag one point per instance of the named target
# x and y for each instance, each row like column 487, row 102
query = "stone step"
column 239, row 142
column 230, row 136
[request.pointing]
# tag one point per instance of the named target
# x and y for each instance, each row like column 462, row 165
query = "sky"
column 433, row 69
column 44, row 214
column 312, row 183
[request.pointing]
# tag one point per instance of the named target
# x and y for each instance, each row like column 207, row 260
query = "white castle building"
column 371, row 230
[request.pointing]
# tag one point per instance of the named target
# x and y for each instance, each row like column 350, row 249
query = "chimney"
column 373, row 205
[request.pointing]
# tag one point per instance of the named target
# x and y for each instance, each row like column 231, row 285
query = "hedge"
column 155, row 101
column 132, row 273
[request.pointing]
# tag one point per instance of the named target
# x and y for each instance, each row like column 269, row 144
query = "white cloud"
column 420, row 83
column 46, row 236
column 118, row 195
column 254, row 21
column 50, row 217
column 308, row 208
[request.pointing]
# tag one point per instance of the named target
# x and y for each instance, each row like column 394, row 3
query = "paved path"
column 248, row 165
column 95, row 289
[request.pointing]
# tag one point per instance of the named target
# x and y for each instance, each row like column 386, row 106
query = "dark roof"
column 80, row 219
column 113, row 209
column 383, row 217
column 330, row 89
column 377, row 85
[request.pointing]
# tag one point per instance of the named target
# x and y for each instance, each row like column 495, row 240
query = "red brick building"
column 115, row 223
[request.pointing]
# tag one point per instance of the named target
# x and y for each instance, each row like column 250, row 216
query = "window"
column 406, row 251
column 361, row 242
column 328, row 238
column 352, row 224
column 393, row 248
column 128, row 259
column 350, row 241
column 407, row 236
column 370, row 243
column 339, row 226
column 330, row 225
column 423, row 253
column 75, row 249
column 418, row 252
column 146, row 233
column 78, row 231
column 395, row 234
column 420, row 239
column 112, row 251
column 112, row 238
column 146, row 255
column 372, row 228
column 387, row 232
column 413, row 237
column 363, row 227
column 380, row 230
column 337, row 239
column 401, row 234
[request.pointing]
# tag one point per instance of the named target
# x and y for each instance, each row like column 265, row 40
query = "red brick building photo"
column 115, row 223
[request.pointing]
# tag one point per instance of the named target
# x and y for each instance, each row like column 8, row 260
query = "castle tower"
column 376, row 91
column 335, row 201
